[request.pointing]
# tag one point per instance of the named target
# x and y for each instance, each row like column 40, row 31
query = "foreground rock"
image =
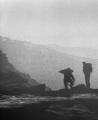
column 79, row 89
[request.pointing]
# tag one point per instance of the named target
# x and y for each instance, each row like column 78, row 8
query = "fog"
column 65, row 23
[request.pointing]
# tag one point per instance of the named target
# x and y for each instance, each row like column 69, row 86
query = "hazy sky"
column 64, row 22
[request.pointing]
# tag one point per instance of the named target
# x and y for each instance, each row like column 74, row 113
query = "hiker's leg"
column 87, row 80
column 66, row 84
column 71, row 84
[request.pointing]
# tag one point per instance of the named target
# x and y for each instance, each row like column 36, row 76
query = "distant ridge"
column 82, row 52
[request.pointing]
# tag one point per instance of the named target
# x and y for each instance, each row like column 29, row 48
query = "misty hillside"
column 10, row 78
column 5, row 66
column 85, row 52
column 43, row 62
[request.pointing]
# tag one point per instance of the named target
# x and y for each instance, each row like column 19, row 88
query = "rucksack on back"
column 87, row 67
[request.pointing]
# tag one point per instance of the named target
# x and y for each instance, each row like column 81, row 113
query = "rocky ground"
column 80, row 107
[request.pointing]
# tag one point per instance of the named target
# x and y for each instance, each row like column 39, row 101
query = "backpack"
column 87, row 67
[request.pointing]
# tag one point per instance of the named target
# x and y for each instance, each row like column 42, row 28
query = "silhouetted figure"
column 68, row 77
column 87, row 69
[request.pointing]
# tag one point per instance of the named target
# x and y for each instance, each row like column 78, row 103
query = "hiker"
column 68, row 78
column 87, row 69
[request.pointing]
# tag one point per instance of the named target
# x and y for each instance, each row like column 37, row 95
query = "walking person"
column 68, row 78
